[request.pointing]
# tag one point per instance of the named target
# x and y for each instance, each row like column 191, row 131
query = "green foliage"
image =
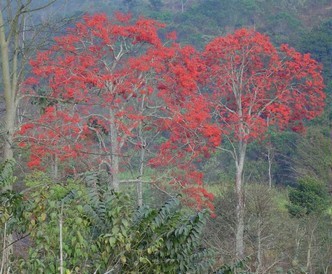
column 48, row 203
column 284, row 144
column 11, row 206
column 150, row 240
column 102, row 231
column 209, row 18
column 313, row 155
column 7, row 177
column 318, row 42
column 310, row 196
column 283, row 27
column 177, row 239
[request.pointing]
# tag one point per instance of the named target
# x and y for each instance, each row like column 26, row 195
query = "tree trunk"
column 55, row 167
column 9, row 79
column 270, row 157
column 311, row 238
column 4, row 257
column 9, row 94
column 139, row 183
column 239, row 237
column 259, row 247
column 115, row 153
column 298, row 239
column 11, row 28
column 61, row 239
column 142, row 156
column 9, row 130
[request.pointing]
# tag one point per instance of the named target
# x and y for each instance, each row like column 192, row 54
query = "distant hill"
column 197, row 20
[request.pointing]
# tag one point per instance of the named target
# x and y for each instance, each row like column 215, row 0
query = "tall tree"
column 14, row 57
column 14, row 53
column 110, row 85
column 252, row 86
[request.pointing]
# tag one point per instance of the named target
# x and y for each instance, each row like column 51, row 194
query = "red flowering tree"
column 251, row 86
column 186, row 120
column 111, row 87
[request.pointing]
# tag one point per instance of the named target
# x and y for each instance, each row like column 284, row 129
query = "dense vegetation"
column 168, row 179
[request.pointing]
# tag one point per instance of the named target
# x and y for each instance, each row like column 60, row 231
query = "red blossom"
column 113, row 83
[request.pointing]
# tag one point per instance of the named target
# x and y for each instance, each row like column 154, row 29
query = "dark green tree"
column 318, row 42
column 308, row 197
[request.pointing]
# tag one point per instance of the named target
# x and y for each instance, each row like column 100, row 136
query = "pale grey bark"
column 114, row 153
column 270, row 156
column 4, row 257
column 240, row 207
column 312, row 226
column 183, row 3
column 139, row 183
column 61, row 239
column 259, row 247
column 142, row 157
column 9, row 79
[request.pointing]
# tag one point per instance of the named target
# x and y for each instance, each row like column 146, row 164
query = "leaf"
column 112, row 241
column 123, row 259
column 43, row 217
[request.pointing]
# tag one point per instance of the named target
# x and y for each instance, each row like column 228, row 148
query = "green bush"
column 101, row 231
column 309, row 196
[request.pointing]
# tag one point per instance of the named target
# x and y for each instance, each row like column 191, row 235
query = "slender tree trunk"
column 142, row 157
column 259, row 247
column 183, row 3
column 115, row 153
column 9, row 93
column 298, row 240
column 309, row 251
column 270, row 159
column 4, row 258
column 239, row 237
column 61, row 239
column 139, row 183
column 9, row 130
column 11, row 28
column 9, row 79
column 311, row 238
